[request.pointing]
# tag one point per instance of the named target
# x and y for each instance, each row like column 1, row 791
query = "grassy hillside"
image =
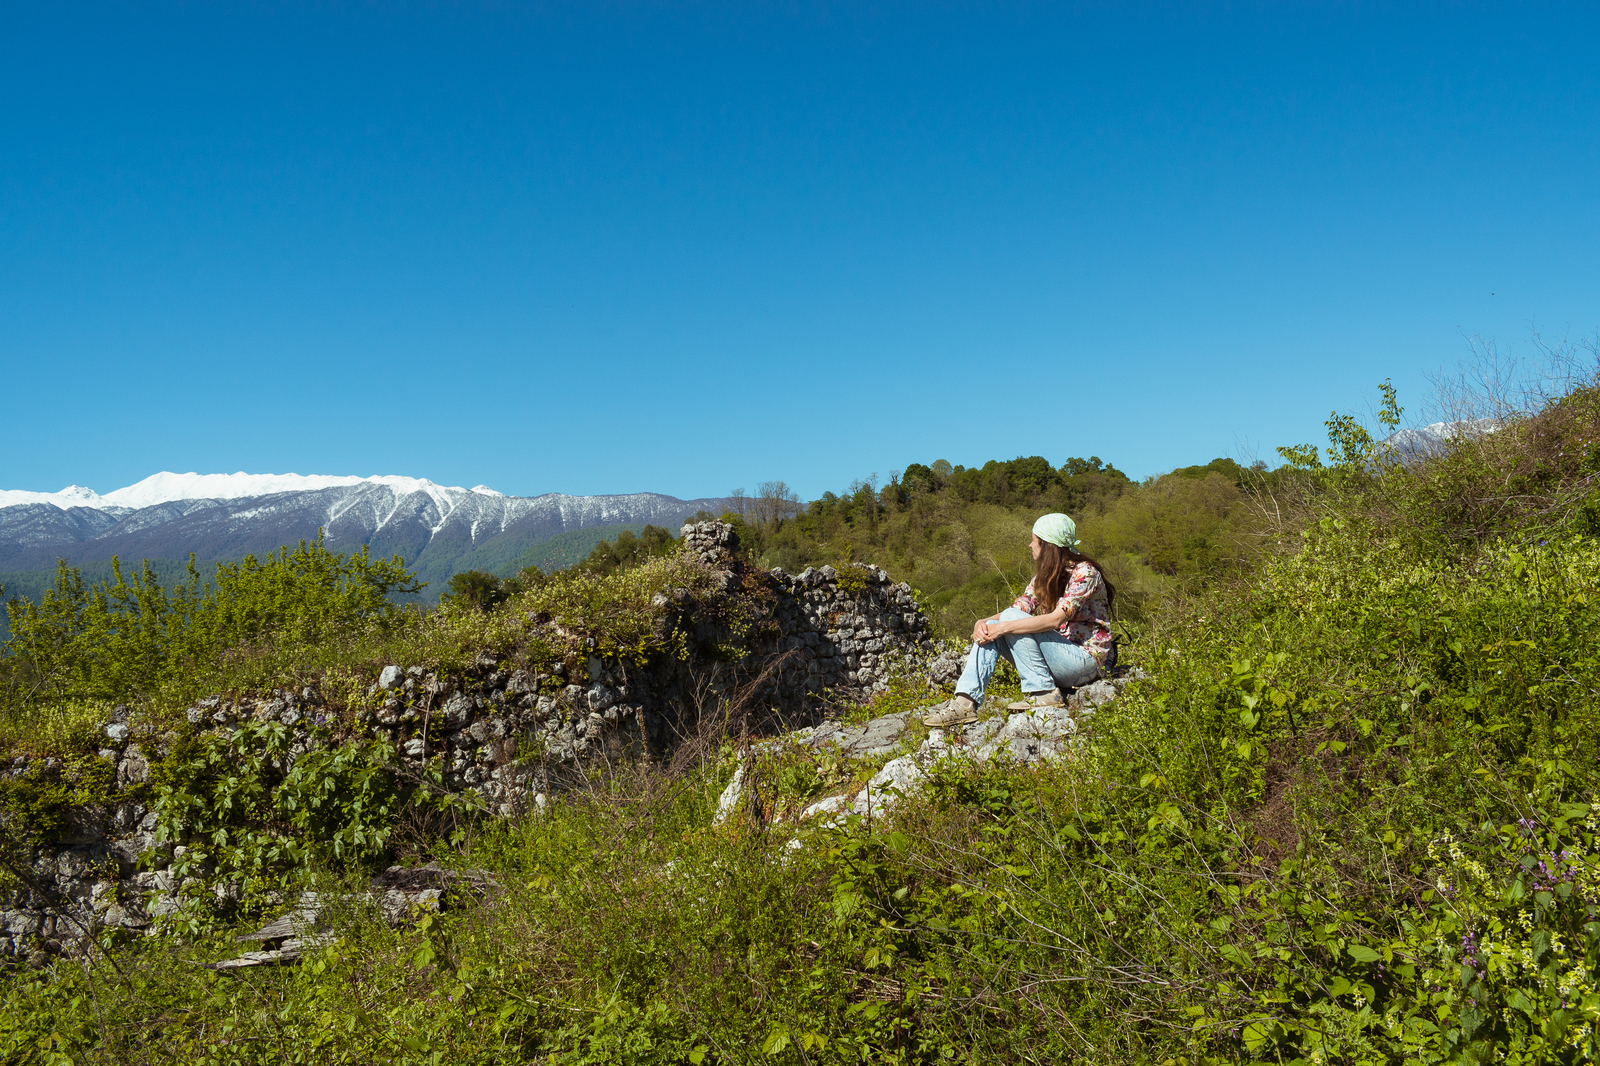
column 1351, row 817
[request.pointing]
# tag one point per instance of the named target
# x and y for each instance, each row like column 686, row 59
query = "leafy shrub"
column 1535, row 473
column 252, row 814
column 127, row 639
column 614, row 608
column 56, row 726
column 475, row 589
column 34, row 805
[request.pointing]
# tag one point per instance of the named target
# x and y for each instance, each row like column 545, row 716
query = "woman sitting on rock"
column 1067, row 647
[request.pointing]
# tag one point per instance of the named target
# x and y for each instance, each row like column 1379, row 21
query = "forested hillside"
column 1349, row 816
column 960, row 535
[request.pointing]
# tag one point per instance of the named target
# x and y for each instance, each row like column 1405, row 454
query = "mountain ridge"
column 167, row 487
column 430, row 525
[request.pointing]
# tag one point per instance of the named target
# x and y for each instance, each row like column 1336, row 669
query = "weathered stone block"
column 457, row 710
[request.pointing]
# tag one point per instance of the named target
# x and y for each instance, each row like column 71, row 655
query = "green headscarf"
column 1058, row 529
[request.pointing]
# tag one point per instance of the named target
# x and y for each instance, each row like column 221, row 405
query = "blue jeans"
column 1043, row 660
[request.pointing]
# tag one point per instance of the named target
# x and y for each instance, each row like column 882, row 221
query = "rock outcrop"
column 1036, row 735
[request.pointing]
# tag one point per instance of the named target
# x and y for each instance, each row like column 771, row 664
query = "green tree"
column 920, row 478
column 529, row 577
column 628, row 550
column 1351, row 449
column 1031, row 475
column 47, row 636
column 476, row 590
column 1228, row 468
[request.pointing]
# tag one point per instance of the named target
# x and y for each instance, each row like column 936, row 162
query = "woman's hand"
column 988, row 629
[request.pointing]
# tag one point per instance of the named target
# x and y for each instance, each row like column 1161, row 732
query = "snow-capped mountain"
column 167, row 487
column 438, row 529
column 1433, row 439
column 71, row 496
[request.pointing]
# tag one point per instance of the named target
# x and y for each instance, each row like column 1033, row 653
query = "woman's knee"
column 1012, row 613
column 1072, row 665
column 1026, row 643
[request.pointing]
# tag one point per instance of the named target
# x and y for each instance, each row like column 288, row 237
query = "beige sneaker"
column 958, row 710
column 1035, row 700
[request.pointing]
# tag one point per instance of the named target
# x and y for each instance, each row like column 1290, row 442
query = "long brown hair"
column 1054, row 572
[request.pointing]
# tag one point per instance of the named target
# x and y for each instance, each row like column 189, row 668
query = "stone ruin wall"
column 822, row 641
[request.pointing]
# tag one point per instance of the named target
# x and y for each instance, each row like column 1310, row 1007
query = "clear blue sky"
column 688, row 247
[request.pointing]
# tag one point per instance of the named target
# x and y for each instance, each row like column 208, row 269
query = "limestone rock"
column 457, row 710
column 134, row 769
column 831, row 805
column 870, row 738
column 84, row 825
column 899, row 777
column 728, row 802
column 1099, row 692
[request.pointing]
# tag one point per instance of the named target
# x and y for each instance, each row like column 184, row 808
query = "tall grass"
column 54, row 726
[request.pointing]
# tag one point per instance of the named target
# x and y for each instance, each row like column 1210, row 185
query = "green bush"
column 475, row 589
column 251, row 816
column 127, row 639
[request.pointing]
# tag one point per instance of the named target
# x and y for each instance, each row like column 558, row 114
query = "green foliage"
column 301, row 596
column 1586, row 519
column 615, row 609
column 628, row 550
column 31, row 584
column 476, row 590
column 1389, row 411
column 60, row 726
column 255, row 815
column 1181, row 525
column 1351, row 448
column 1349, row 444
column 854, row 579
column 130, row 638
column 1241, row 476
column 1301, row 456
column 1532, row 475
column 35, row 804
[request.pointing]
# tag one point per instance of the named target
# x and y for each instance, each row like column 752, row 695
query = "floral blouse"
column 1088, row 620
